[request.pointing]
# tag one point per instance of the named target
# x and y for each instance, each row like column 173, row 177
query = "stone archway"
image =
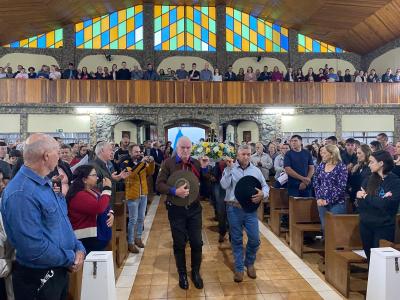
column 188, row 122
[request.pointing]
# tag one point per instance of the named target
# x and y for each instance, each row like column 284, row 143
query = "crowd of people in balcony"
column 324, row 74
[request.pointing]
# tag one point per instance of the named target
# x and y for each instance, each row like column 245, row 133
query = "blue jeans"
column 238, row 219
column 336, row 209
column 136, row 210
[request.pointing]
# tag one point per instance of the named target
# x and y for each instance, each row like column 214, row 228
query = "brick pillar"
column 148, row 34
column 221, row 39
column 339, row 131
column 23, row 126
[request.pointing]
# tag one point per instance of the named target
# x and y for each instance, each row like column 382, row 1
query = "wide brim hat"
column 244, row 190
column 179, row 178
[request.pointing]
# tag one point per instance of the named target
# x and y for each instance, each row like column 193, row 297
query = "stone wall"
column 220, row 58
column 270, row 126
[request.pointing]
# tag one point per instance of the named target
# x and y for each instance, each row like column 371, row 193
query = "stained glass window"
column 248, row 33
column 190, row 28
column 52, row 39
column 119, row 30
column 307, row 44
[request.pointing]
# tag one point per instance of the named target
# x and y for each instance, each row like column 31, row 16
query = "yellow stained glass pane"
column 237, row 27
column 165, row 45
column 87, row 33
column 253, row 37
column 181, row 39
column 165, row 20
column 211, row 13
column 245, row 19
column 204, row 21
column 229, row 11
column 49, row 39
column 172, row 30
column 331, row 48
column 96, row 19
column 96, row 42
column 33, row 44
column 212, row 39
column 301, row 49
column 284, row 31
column 121, row 16
column 269, row 45
column 197, row 31
column 229, row 36
column 138, row 9
column 181, row 12
column 79, row 27
column 189, row 12
column 130, row 24
column 309, row 44
column 276, row 37
column 189, row 40
column 260, row 27
column 122, row 42
column 105, row 25
column 157, row 11
column 324, row 50
column 114, row 33
column 245, row 45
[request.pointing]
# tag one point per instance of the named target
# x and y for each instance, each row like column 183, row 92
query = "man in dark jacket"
column 70, row 73
column 230, row 75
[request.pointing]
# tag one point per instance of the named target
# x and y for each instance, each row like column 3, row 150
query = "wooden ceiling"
column 358, row 26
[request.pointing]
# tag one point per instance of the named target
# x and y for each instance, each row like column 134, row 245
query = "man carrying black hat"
column 185, row 221
column 239, row 216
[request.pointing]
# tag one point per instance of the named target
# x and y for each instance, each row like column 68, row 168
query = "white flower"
column 199, row 150
column 216, row 149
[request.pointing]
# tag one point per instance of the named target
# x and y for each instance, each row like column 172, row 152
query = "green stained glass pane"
column 301, row 40
column 139, row 45
column 180, row 26
column 204, row 10
column 237, row 15
column 229, row 47
column 114, row 45
column 32, row 39
column 276, row 48
column 197, row 44
column 122, row 29
column 189, row 26
column 268, row 32
column 157, row 24
column 165, row 9
column 211, row 26
column 172, row 43
column 245, row 32
column 88, row 45
column 253, row 48
column 96, row 29
column 130, row 12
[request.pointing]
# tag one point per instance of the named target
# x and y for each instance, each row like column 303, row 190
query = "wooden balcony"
column 92, row 92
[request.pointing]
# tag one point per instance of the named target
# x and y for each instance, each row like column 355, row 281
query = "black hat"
column 244, row 190
column 179, row 178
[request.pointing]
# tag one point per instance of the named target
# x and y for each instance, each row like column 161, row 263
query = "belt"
column 193, row 204
column 233, row 203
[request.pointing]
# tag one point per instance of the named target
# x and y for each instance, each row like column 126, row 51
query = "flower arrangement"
column 213, row 150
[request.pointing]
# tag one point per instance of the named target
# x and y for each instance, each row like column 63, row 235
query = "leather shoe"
column 196, row 278
column 183, row 281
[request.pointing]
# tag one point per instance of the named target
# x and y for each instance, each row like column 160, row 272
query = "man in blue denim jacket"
column 36, row 222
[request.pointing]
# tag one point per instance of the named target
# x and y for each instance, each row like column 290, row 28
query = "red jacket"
column 83, row 209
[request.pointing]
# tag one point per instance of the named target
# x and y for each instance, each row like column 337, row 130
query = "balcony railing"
column 196, row 93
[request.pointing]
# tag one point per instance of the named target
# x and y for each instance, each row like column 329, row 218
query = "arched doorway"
column 240, row 130
column 137, row 130
column 194, row 129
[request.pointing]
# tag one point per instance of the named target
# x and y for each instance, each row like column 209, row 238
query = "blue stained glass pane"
column 41, row 43
column 138, row 20
column 261, row 41
column 172, row 16
column 189, row 48
column 79, row 38
column 14, row 45
column 165, row 34
column 338, row 50
column 237, row 40
column 210, row 48
column 87, row 23
column 182, row 48
column 316, row 46
column 105, row 38
column 253, row 23
column 229, row 22
column 197, row 16
column 276, row 27
column 113, row 19
column 284, row 42
column 130, row 39
column 157, row 47
column 204, row 35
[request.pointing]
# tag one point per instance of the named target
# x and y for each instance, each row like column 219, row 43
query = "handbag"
column 282, row 178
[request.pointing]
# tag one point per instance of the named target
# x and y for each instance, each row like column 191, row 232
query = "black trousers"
column 371, row 235
column 27, row 281
column 186, row 224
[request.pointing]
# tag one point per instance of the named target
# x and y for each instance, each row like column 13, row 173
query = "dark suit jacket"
column 230, row 77
column 157, row 158
column 66, row 73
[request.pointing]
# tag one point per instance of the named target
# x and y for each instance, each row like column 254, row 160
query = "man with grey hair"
column 37, row 225
column 239, row 218
column 206, row 74
column 262, row 160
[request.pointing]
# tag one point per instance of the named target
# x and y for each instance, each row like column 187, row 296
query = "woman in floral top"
column 330, row 181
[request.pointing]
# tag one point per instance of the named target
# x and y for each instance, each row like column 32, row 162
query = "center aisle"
column 157, row 277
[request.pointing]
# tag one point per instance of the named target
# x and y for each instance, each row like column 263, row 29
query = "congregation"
column 324, row 74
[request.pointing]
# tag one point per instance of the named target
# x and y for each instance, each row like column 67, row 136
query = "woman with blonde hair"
column 330, row 181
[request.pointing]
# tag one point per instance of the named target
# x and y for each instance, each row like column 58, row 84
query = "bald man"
column 185, row 221
column 36, row 223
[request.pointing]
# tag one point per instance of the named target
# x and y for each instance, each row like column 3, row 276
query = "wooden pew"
column 75, row 285
column 342, row 236
column 303, row 217
column 279, row 206
column 121, row 249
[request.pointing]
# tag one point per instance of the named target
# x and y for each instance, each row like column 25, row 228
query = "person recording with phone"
column 139, row 167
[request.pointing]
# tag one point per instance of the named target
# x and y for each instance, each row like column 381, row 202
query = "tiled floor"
column 156, row 276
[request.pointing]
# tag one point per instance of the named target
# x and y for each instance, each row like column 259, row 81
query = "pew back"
column 303, row 210
column 278, row 198
column 342, row 232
